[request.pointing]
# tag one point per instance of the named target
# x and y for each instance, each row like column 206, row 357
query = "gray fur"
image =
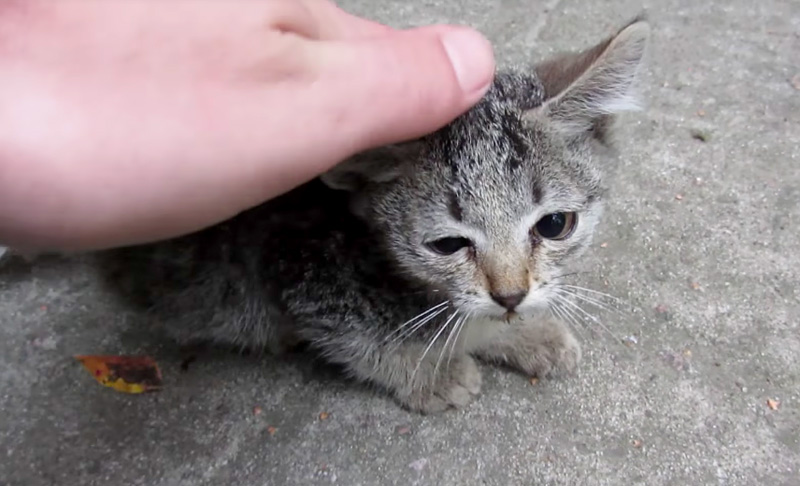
column 343, row 262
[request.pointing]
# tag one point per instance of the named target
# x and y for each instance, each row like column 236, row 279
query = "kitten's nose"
column 509, row 301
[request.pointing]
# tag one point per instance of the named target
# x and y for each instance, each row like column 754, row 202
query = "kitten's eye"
column 449, row 245
column 556, row 226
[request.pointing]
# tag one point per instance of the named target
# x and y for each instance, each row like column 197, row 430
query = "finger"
column 320, row 20
column 333, row 23
column 400, row 86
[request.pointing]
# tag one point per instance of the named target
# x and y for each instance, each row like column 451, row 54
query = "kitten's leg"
column 425, row 382
column 537, row 348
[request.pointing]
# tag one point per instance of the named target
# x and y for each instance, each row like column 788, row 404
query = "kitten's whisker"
column 447, row 341
column 577, row 319
column 407, row 332
column 417, row 317
column 430, row 345
column 464, row 322
column 416, row 327
column 571, row 274
column 592, row 318
column 559, row 313
column 592, row 301
column 592, row 291
column 570, row 315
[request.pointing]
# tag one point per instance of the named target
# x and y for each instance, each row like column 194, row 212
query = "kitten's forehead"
column 488, row 154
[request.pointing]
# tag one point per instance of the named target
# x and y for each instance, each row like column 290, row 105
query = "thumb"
column 403, row 85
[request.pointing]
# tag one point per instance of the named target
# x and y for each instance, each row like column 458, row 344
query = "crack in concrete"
column 541, row 23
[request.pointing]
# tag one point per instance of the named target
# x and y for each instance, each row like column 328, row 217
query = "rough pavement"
column 700, row 241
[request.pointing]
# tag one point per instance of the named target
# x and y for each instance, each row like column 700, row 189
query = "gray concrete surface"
column 710, row 279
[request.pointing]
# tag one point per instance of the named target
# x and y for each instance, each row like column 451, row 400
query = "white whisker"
column 590, row 300
column 400, row 339
column 464, row 322
column 557, row 311
column 592, row 318
column 592, row 291
column 428, row 348
column 569, row 314
column 421, row 315
column 447, row 341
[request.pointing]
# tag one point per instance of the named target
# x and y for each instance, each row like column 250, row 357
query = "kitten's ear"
column 583, row 91
column 378, row 165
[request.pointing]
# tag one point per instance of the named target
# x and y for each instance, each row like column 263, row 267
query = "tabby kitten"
column 406, row 263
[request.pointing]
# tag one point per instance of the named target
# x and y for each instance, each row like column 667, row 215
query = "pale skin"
column 130, row 121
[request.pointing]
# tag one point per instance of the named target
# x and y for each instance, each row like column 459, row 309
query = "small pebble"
column 701, row 135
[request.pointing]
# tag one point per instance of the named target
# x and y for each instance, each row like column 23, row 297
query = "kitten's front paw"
column 454, row 386
column 543, row 350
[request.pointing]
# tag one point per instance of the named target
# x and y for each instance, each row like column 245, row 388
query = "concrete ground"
column 700, row 242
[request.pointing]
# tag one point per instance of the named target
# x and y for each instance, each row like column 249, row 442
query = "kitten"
column 405, row 263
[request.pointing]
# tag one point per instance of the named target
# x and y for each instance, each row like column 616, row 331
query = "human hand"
column 130, row 121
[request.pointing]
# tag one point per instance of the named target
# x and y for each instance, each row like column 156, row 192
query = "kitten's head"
column 493, row 207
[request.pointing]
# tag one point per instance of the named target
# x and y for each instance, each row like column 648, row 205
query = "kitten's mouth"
column 505, row 318
column 509, row 316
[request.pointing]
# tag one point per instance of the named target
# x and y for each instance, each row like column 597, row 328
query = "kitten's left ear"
column 583, row 91
column 374, row 166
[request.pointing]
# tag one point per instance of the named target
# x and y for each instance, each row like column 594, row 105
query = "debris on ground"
column 678, row 361
column 271, row 430
column 702, row 135
column 534, row 380
column 419, row 464
column 257, row 410
column 773, row 404
column 636, row 443
column 630, row 340
column 126, row 374
column 324, row 415
column 796, row 81
column 188, row 361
